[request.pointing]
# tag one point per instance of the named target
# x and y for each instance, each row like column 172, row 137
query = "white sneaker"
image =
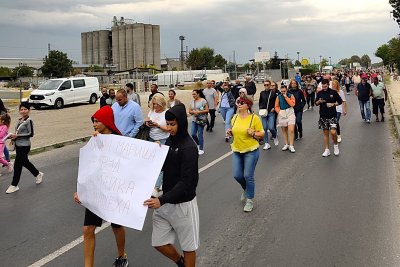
column 285, row 147
column 39, row 177
column 249, row 205
column 326, row 153
column 276, row 141
column 336, row 150
column 339, row 139
column 201, row 152
column 291, row 148
column 266, row 146
column 12, row 189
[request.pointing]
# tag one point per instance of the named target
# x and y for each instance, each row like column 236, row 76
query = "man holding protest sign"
column 103, row 123
column 176, row 213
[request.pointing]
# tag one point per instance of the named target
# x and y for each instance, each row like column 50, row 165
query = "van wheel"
column 93, row 99
column 59, row 103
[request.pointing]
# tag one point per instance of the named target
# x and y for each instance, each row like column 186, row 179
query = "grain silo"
column 129, row 46
column 148, row 44
column 138, row 35
column 84, row 48
column 104, row 47
column 89, row 45
column 122, row 47
column 95, row 60
column 156, row 46
column 115, row 46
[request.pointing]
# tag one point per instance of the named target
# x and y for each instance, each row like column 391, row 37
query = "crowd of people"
column 176, row 215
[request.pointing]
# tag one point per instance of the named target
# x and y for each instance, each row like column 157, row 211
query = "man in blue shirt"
column 128, row 116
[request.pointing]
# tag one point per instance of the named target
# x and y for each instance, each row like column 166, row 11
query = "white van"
column 65, row 91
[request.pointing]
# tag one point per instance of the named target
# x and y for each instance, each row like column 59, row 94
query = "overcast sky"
column 337, row 28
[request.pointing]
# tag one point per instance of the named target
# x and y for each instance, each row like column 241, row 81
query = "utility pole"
column 182, row 38
column 48, row 49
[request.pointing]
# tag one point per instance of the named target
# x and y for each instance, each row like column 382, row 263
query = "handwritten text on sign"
column 116, row 174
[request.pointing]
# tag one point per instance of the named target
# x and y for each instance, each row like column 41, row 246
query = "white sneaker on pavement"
column 336, row 150
column 326, row 153
column 339, row 139
column 201, row 152
column 266, row 146
column 39, row 177
column 12, row 189
column 285, row 147
column 291, row 148
column 249, row 205
column 243, row 197
column 276, row 141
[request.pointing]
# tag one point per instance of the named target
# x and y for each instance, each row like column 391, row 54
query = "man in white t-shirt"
column 379, row 97
column 212, row 97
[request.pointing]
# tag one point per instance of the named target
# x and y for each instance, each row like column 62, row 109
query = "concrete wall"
column 129, row 46
column 104, row 46
column 138, row 35
column 156, row 46
column 115, row 46
column 122, row 47
column 95, row 60
column 89, row 46
column 148, row 44
column 84, row 48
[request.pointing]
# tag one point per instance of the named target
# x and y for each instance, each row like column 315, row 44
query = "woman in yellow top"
column 246, row 130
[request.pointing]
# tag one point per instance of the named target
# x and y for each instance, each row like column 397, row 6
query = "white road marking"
column 79, row 240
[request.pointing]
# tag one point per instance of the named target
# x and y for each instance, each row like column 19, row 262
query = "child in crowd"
column 5, row 121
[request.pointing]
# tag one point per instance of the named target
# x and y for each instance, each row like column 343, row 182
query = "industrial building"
column 128, row 45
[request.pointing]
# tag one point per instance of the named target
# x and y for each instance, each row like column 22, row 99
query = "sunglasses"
column 266, row 84
column 242, row 102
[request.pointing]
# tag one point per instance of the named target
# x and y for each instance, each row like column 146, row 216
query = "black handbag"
column 144, row 132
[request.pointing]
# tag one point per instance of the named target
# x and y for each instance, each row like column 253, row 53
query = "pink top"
column 3, row 133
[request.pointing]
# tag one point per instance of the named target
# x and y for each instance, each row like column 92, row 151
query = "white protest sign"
column 116, row 175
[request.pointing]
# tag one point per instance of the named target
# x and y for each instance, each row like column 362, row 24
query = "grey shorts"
column 181, row 221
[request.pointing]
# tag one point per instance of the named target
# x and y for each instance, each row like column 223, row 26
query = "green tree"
column 324, row 62
column 384, row 53
column 394, row 45
column 200, row 58
column 56, row 64
column 219, row 61
column 22, row 71
column 365, row 61
column 297, row 63
column 355, row 58
column 5, row 72
column 95, row 68
column 396, row 10
column 344, row 61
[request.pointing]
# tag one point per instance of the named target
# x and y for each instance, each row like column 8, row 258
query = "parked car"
column 259, row 78
column 65, row 91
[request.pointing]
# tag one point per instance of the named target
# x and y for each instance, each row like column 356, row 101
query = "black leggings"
column 21, row 160
column 210, row 124
column 310, row 100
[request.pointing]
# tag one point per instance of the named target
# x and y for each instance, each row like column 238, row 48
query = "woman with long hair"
column 246, row 130
column 284, row 104
column 341, row 109
column 295, row 90
column 172, row 101
column 22, row 139
column 198, row 108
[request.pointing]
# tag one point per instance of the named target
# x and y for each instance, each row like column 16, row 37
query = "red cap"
column 105, row 115
column 364, row 76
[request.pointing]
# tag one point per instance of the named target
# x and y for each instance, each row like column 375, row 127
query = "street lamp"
column 298, row 56
column 320, row 63
column 330, row 60
column 20, row 84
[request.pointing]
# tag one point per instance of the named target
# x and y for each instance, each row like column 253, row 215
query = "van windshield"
column 50, row 85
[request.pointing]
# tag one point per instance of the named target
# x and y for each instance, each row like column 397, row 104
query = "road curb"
column 396, row 120
column 38, row 150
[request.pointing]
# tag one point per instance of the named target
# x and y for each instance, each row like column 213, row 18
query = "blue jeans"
column 338, row 125
column 227, row 114
column 6, row 153
column 244, row 165
column 268, row 123
column 197, row 134
column 365, row 108
column 159, row 181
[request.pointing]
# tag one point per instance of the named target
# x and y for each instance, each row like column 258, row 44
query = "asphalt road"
column 309, row 210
